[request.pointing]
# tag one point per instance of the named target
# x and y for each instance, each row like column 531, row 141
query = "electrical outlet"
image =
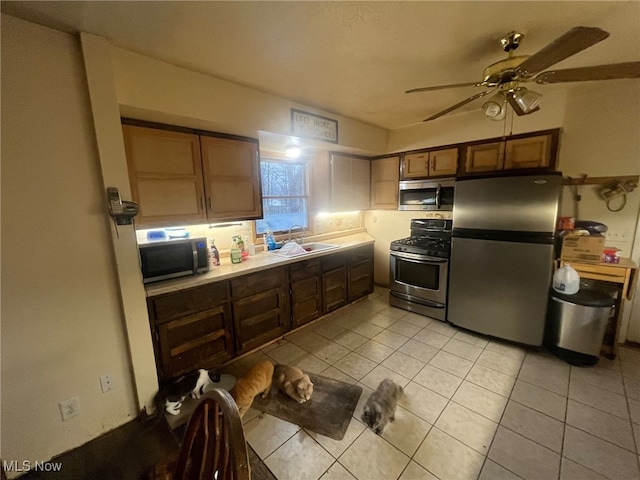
column 70, row 408
column 106, row 382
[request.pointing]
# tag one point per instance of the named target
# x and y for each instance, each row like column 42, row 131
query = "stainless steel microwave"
column 426, row 195
column 173, row 258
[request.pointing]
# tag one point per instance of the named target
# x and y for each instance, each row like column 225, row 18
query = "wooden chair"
column 213, row 447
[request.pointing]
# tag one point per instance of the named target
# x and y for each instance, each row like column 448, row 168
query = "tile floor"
column 473, row 407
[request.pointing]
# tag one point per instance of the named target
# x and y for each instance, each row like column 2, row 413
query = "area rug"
column 328, row 412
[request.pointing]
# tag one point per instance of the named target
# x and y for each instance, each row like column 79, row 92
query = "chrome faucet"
column 300, row 239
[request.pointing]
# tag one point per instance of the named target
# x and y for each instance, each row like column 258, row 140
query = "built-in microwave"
column 166, row 259
column 436, row 194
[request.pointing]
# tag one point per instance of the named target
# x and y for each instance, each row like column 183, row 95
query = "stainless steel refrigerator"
column 502, row 254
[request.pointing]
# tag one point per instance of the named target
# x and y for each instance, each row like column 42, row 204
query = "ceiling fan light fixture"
column 496, row 107
column 292, row 151
column 528, row 100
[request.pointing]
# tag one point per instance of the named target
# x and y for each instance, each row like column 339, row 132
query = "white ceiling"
column 354, row 59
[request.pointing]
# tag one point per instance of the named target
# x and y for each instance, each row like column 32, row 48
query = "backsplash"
column 323, row 223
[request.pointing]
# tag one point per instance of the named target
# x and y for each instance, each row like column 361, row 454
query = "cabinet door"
column 384, row 183
column 443, row 162
column 306, row 301
column 193, row 329
column 415, row 165
column 231, row 179
column 197, row 341
column 260, row 317
column 360, row 184
column 350, row 183
column 306, row 291
column 260, row 303
column 485, row 157
column 165, row 174
column 360, row 273
column 533, row 152
column 334, row 282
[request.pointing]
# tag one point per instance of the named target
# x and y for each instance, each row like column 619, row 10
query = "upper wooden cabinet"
column 485, row 157
column 165, row 173
column 385, row 173
column 532, row 152
column 520, row 152
column 415, row 165
column 231, row 179
column 350, row 182
column 434, row 163
column 181, row 178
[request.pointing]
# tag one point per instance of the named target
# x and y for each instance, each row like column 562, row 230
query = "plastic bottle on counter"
column 214, row 255
column 235, row 253
column 239, row 241
column 270, row 241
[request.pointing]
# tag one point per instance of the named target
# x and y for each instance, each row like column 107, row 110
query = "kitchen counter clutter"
column 203, row 321
column 255, row 263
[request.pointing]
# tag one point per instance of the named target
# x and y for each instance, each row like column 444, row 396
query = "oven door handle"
column 417, row 258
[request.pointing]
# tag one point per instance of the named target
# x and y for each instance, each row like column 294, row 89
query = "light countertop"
column 254, row 263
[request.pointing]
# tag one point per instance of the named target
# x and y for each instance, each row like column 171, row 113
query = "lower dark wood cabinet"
column 192, row 329
column 305, row 287
column 360, row 273
column 260, row 305
column 205, row 326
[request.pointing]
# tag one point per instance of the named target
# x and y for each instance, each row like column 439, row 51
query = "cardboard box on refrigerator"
column 582, row 248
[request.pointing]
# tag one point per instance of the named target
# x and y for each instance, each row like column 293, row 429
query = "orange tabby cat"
column 257, row 380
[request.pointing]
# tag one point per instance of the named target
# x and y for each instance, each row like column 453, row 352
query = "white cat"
column 193, row 383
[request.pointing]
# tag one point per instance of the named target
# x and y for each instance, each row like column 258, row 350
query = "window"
column 284, row 195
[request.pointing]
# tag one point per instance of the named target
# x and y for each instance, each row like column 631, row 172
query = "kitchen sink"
column 318, row 247
column 292, row 249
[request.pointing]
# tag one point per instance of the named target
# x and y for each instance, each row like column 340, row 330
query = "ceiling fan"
column 506, row 76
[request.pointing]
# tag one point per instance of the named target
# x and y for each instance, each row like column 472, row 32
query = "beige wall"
column 62, row 326
column 601, row 138
column 153, row 90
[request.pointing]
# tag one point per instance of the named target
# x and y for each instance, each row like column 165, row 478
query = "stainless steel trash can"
column 576, row 325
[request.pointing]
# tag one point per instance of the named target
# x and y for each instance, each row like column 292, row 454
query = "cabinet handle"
column 210, row 204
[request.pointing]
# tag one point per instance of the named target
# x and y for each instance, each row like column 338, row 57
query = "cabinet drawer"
column 258, row 282
column 332, row 262
column 171, row 306
column 360, row 255
column 306, row 269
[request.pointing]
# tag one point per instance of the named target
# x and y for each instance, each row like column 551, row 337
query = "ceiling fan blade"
column 572, row 42
column 516, row 108
column 597, row 72
column 458, row 105
column 441, row 87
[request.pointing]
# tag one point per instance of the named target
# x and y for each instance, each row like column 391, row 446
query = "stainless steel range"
column 419, row 268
